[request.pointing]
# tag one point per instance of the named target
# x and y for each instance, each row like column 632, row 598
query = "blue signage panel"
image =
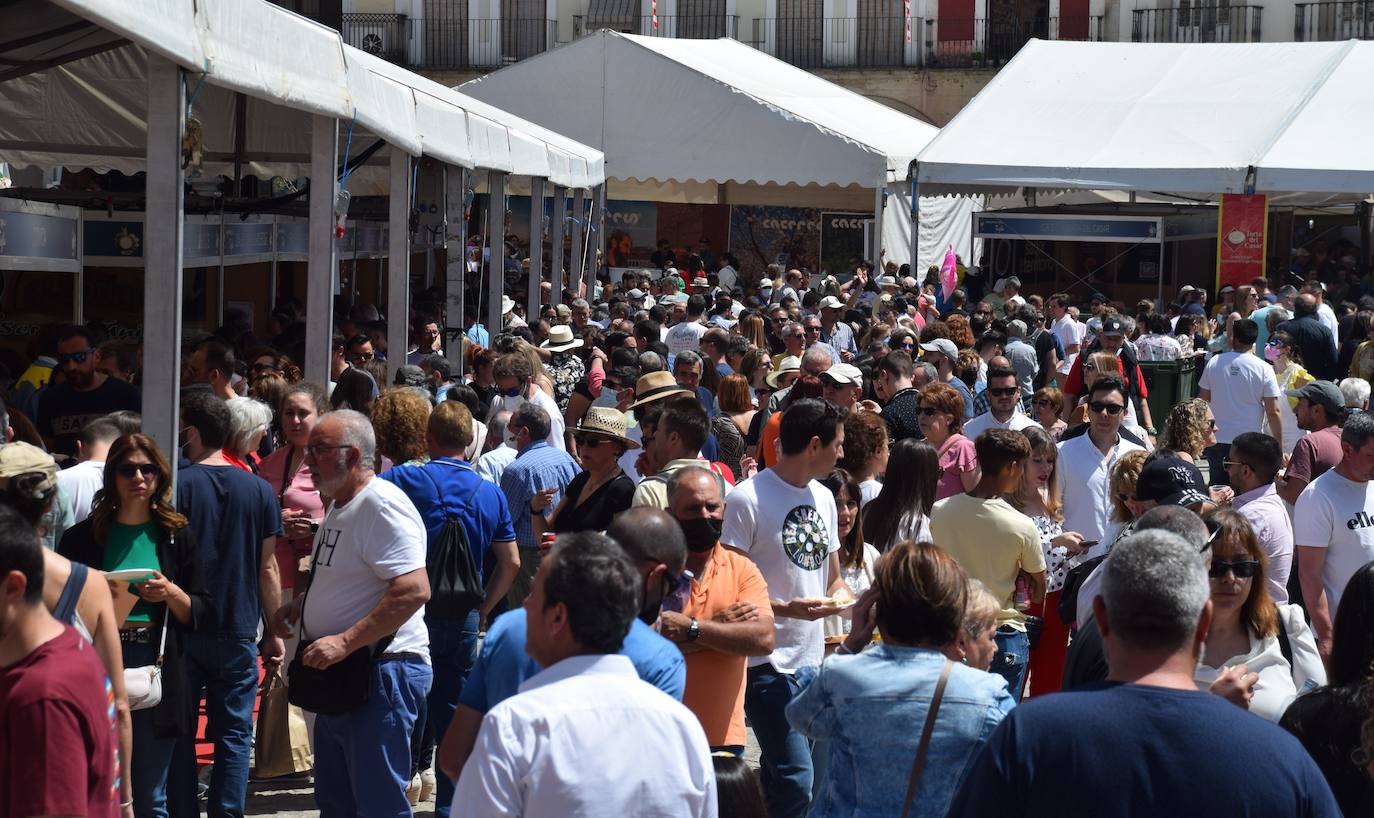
column 112, row 239
column 30, row 240
column 1065, row 228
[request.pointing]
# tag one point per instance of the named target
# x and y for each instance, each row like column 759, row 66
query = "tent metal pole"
column 556, row 233
column 600, row 256
column 579, row 247
column 536, row 244
column 162, row 255
column 398, row 262
column 915, row 230
column 496, row 240
column 219, row 278
column 453, row 185
column 879, row 197
column 320, row 269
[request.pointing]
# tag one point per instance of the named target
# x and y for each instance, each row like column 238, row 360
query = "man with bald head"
column 1312, row 338
column 653, row 542
column 724, row 617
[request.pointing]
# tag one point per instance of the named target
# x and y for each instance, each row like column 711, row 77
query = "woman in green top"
column 133, row 525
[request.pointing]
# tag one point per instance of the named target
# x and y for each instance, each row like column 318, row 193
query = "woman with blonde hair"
column 1189, row 429
column 978, row 632
column 1125, row 508
column 751, row 327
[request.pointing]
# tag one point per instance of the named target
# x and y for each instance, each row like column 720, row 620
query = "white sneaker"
column 427, row 785
column 413, row 791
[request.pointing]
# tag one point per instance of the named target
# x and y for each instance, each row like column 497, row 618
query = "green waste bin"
column 1170, row 383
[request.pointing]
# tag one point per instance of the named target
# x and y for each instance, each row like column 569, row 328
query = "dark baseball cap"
column 1171, row 481
column 1112, row 325
column 1322, row 393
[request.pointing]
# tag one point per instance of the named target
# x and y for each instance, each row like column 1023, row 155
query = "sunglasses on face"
column 363, row 356
column 264, row 368
column 813, row 329
column 128, row 470
column 1044, row 404
column 1243, row 569
column 1109, row 408
column 78, row 357
column 1004, row 391
column 930, row 411
column 588, row 441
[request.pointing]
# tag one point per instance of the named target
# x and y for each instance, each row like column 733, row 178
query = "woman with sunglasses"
column 1047, row 404
column 1245, row 653
column 601, row 490
column 1287, row 360
column 942, row 422
column 133, row 525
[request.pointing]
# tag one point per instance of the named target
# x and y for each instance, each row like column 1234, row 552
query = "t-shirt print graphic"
column 329, row 540
column 805, row 537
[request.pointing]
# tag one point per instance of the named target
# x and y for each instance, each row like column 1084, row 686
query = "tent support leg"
column 536, row 245
column 453, row 182
column 879, row 199
column 398, row 262
column 599, row 254
column 162, row 256
column 496, row 240
column 559, row 227
column 579, row 248
column 321, row 272
column 916, row 270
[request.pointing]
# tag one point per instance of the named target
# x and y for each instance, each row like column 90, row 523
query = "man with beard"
column 84, row 394
column 725, row 616
column 654, row 543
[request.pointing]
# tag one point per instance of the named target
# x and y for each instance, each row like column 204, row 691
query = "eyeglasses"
column 810, row 330
column 1004, row 391
column 1109, row 408
column 264, row 368
column 588, row 441
column 909, row 346
column 317, row 449
column 1089, row 367
column 1243, row 569
column 1229, row 463
column 1043, row 403
column 363, row 356
column 930, row 411
column 128, row 470
column 78, row 357
column 1212, row 424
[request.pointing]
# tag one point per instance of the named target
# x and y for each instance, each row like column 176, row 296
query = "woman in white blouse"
column 1272, row 641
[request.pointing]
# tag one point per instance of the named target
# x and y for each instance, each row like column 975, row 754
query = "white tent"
column 1170, row 118
column 679, row 120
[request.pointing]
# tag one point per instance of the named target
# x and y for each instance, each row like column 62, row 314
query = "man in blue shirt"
column 447, row 487
column 537, row 467
column 655, row 544
column 236, row 519
column 1146, row 742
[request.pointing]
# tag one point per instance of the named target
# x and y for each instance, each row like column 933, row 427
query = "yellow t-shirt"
column 993, row 542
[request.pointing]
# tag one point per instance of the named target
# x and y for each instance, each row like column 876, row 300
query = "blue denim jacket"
column 872, row 707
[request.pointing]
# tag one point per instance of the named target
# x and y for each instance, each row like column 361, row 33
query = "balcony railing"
column 680, row 27
column 1315, row 22
column 449, row 42
column 980, row 42
column 1197, row 23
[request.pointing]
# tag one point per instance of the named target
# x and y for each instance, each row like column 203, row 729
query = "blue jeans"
column 453, row 649
column 152, row 755
column 362, row 759
column 784, row 754
column 1013, row 651
column 226, row 669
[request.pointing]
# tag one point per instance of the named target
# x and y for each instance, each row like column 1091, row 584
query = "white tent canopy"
column 90, row 112
column 1174, row 118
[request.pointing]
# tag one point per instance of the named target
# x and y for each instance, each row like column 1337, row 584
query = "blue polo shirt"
column 502, row 664
column 445, row 486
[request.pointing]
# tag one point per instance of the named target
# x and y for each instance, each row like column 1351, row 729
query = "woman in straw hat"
column 602, row 490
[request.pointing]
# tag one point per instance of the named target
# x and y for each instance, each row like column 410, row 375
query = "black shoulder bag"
column 455, row 583
column 340, row 688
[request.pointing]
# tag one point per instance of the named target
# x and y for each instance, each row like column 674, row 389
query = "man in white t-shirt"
column 785, row 522
column 1333, row 526
column 1070, row 332
column 82, row 481
column 1004, row 402
column 515, row 382
column 1243, row 392
column 368, row 590
column 686, row 335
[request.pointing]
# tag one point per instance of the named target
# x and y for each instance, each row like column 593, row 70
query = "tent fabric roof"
column 83, row 104
column 1179, row 118
column 755, row 118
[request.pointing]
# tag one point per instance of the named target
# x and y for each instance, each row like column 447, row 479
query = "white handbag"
column 143, row 685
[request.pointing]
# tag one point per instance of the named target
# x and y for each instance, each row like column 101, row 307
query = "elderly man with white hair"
column 1148, row 728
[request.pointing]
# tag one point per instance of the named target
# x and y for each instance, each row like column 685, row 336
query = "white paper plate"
column 129, row 574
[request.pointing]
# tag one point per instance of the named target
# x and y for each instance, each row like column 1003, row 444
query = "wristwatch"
column 693, row 630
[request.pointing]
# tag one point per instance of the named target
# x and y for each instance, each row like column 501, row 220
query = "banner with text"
column 1242, row 233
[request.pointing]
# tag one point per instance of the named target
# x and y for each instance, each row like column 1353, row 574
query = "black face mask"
column 701, row 533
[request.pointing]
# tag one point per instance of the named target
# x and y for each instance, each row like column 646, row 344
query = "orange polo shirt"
column 715, row 680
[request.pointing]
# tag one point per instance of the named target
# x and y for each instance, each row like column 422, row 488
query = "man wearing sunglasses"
column 1087, row 460
column 1253, row 464
column 1004, row 405
column 84, row 394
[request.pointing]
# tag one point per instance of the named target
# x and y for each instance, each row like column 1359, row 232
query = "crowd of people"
column 933, row 554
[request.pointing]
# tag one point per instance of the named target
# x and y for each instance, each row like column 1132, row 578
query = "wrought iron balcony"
column 1197, row 22
column 1347, row 20
column 448, row 42
column 681, row 26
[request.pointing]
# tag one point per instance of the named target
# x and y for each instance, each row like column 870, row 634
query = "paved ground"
column 287, row 798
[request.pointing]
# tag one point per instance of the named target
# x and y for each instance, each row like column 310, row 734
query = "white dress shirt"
column 986, row 421
column 1084, row 475
column 586, row 737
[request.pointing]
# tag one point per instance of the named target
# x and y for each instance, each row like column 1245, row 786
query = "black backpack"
column 455, row 583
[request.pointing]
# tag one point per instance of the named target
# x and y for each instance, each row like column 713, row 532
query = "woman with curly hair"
column 1125, row 508
column 865, row 453
column 959, row 331
column 942, row 423
column 399, row 418
column 1189, row 429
